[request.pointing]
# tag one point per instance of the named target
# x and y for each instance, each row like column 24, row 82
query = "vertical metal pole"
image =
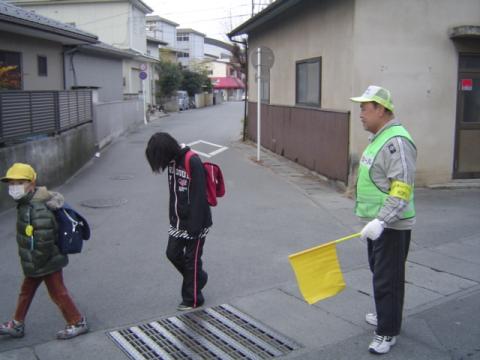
column 259, row 100
column 144, row 103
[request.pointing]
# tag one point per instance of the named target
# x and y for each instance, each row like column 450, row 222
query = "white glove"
column 372, row 230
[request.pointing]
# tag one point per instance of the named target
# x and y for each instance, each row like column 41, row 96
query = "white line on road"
column 220, row 149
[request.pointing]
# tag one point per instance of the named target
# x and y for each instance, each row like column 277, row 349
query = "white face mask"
column 16, row 191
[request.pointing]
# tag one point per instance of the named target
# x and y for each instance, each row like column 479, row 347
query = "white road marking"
column 220, row 149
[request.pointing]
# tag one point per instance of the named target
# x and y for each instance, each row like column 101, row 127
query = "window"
column 308, row 82
column 10, row 70
column 183, row 37
column 42, row 65
column 183, row 55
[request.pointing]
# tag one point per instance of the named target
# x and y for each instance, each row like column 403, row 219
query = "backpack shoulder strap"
column 188, row 156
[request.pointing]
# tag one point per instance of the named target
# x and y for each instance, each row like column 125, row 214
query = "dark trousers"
column 387, row 256
column 186, row 256
column 57, row 291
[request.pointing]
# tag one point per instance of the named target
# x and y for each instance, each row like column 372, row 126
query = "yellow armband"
column 401, row 190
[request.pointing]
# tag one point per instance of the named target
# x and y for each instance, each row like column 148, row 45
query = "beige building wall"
column 131, row 74
column 30, row 49
column 317, row 29
column 108, row 20
column 218, row 68
column 404, row 46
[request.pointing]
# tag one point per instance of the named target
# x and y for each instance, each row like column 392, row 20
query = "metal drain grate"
column 221, row 332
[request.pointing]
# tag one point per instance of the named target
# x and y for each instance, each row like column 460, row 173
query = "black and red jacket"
column 189, row 209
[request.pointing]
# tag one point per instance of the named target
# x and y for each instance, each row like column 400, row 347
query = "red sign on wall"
column 467, row 84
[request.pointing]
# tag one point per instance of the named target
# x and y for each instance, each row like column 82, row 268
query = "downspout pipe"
column 245, row 43
column 71, row 52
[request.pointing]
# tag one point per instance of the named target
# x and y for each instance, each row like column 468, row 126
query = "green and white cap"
column 376, row 94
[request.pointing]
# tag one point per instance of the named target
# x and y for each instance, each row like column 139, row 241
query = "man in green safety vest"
column 384, row 200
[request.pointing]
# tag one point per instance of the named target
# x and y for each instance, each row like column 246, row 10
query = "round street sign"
column 143, row 75
column 143, row 67
column 266, row 57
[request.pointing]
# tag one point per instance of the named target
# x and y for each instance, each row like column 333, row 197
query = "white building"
column 162, row 29
column 191, row 47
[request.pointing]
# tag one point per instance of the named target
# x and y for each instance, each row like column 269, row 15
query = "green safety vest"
column 370, row 198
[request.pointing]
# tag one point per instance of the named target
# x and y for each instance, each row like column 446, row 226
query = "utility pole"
column 259, row 101
column 253, row 7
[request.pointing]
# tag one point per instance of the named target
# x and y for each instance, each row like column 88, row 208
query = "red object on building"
column 227, row 82
column 467, row 84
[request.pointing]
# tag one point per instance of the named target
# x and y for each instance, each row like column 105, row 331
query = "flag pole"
column 349, row 237
column 353, row 236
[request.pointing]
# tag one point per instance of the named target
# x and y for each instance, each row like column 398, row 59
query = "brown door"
column 467, row 139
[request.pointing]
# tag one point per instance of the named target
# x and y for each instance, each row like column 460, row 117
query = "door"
column 467, row 139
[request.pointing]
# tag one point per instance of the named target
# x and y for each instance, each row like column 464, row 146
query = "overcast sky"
column 211, row 17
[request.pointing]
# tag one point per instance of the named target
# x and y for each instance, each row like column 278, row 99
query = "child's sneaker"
column 71, row 331
column 381, row 344
column 186, row 307
column 13, row 328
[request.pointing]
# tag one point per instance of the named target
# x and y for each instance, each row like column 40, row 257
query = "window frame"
column 309, row 61
column 183, row 37
column 20, row 61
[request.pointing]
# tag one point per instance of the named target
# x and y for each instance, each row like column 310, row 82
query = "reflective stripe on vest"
column 370, row 198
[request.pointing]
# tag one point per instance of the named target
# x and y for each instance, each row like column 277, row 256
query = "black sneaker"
column 13, row 328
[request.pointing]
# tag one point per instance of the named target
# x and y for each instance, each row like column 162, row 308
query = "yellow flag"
column 318, row 271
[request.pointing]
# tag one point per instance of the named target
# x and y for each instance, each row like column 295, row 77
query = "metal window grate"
column 221, row 332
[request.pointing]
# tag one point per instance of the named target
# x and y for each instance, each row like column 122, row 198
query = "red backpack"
column 214, row 183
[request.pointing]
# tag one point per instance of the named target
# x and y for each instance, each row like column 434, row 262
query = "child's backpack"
column 214, row 183
column 73, row 229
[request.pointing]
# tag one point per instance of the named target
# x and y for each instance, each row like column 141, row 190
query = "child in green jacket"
column 40, row 257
